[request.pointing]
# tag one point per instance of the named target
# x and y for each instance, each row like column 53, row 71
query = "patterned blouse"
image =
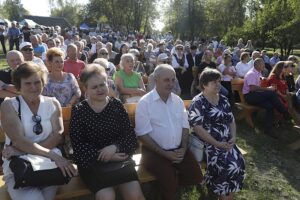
column 62, row 91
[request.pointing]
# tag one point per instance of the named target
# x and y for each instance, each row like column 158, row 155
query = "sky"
column 41, row 8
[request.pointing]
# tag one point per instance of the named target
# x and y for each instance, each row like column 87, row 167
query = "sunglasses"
column 103, row 53
column 37, row 128
column 165, row 62
column 27, row 49
column 180, row 49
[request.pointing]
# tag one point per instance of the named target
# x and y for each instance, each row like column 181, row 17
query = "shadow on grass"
column 273, row 170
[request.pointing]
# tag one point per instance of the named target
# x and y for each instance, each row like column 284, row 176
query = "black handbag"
column 106, row 167
column 25, row 176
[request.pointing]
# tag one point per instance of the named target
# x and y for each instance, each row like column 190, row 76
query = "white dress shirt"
column 242, row 69
column 162, row 121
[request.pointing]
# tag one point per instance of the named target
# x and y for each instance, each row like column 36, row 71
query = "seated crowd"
column 89, row 76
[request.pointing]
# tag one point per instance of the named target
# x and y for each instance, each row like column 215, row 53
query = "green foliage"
column 201, row 18
column 122, row 15
column 68, row 9
column 12, row 10
column 275, row 24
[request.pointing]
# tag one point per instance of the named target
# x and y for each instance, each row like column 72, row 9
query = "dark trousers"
column 12, row 42
column 2, row 40
column 170, row 175
column 268, row 100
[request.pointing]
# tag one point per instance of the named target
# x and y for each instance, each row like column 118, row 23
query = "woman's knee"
column 131, row 191
column 134, row 195
column 105, row 194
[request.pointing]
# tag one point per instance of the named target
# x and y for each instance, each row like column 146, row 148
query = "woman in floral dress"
column 213, row 122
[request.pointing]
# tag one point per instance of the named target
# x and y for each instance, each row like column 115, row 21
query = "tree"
column 68, row 9
column 13, row 10
column 122, row 15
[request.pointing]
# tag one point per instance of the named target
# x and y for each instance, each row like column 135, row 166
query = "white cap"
column 24, row 44
column 162, row 56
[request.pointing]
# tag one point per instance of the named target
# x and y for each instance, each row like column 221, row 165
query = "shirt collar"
column 255, row 71
column 157, row 97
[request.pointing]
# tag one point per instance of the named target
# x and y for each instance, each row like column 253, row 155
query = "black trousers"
column 2, row 40
column 268, row 100
column 12, row 42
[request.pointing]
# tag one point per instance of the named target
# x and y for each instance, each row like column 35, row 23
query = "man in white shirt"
column 162, row 126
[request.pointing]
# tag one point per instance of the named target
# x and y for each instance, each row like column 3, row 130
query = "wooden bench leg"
column 247, row 115
column 249, row 119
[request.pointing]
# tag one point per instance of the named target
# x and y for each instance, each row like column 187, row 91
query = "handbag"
column 106, row 167
column 24, row 174
column 196, row 146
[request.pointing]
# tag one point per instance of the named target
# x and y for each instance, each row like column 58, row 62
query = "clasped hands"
column 226, row 145
column 175, row 156
column 109, row 153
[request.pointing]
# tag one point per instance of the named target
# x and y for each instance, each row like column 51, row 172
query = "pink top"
column 74, row 67
column 252, row 77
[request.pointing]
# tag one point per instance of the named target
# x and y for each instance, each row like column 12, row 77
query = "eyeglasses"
column 180, row 49
column 104, row 54
column 37, row 128
column 27, row 49
column 164, row 61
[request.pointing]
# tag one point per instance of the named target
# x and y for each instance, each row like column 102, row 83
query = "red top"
column 74, row 67
column 281, row 86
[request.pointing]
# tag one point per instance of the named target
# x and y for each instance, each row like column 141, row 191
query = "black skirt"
column 96, row 180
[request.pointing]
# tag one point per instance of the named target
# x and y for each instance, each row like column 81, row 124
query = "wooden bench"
column 246, row 109
column 76, row 188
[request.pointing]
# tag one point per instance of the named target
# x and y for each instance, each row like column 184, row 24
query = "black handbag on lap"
column 105, row 167
column 25, row 176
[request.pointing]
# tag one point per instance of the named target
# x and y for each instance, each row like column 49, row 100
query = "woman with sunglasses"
column 111, row 69
column 37, row 131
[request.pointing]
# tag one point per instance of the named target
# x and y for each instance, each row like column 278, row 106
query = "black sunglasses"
column 103, row 53
column 37, row 128
column 27, row 49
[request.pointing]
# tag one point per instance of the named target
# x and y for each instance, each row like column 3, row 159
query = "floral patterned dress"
column 225, row 169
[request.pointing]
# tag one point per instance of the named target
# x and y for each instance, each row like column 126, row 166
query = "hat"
column 24, row 44
column 162, row 42
column 178, row 45
column 162, row 56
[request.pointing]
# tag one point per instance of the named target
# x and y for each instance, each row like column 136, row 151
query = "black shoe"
column 271, row 134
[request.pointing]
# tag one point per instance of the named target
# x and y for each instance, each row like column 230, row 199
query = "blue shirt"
column 13, row 32
column 39, row 49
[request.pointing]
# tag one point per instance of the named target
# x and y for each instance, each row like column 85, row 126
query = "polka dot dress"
column 91, row 131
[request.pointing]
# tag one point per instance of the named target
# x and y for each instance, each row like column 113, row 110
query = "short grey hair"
column 15, row 52
column 258, row 61
column 125, row 56
column 160, row 69
column 135, row 52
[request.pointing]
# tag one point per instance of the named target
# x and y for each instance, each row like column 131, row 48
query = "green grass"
column 272, row 170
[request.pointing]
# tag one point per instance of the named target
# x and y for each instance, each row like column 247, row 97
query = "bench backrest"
column 237, row 85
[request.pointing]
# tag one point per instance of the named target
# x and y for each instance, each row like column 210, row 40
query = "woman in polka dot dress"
column 101, row 133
